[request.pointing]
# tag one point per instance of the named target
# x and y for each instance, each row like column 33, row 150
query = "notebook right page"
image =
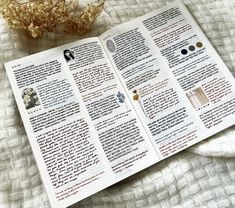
column 179, row 86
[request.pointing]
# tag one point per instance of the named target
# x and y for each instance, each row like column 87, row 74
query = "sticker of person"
column 68, row 55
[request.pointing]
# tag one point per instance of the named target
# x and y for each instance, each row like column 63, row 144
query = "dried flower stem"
column 38, row 16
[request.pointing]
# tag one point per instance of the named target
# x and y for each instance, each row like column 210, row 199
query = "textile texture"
column 201, row 176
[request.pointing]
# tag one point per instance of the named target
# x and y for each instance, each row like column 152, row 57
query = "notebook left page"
column 80, row 124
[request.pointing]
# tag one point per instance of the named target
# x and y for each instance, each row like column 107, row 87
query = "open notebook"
column 101, row 109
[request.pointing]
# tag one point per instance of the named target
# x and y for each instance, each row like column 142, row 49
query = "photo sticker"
column 30, row 98
column 111, row 46
column 197, row 97
column 68, row 55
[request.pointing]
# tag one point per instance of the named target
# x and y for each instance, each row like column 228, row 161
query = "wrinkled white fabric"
column 183, row 180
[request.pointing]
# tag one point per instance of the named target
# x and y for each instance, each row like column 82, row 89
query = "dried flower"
column 121, row 98
column 38, row 16
column 136, row 97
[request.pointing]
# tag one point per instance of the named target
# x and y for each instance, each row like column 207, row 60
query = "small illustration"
column 68, row 55
column 136, row 97
column 30, row 98
column 197, row 97
column 111, row 46
column 121, row 98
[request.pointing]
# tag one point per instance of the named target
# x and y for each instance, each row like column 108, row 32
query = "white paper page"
column 71, row 104
column 123, row 139
column 62, row 137
column 203, row 77
column 150, row 55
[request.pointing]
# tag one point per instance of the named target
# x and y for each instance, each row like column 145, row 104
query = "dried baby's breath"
column 38, row 16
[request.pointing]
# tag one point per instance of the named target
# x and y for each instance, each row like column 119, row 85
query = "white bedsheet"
column 202, row 176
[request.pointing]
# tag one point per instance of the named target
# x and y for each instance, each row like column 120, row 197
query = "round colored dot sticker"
column 199, row 44
column 184, row 51
column 191, row 48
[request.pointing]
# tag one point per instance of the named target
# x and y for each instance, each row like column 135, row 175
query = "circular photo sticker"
column 199, row 44
column 111, row 46
column 68, row 55
column 30, row 98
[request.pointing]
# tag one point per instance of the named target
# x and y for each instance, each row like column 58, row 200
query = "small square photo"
column 197, row 97
column 30, row 98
